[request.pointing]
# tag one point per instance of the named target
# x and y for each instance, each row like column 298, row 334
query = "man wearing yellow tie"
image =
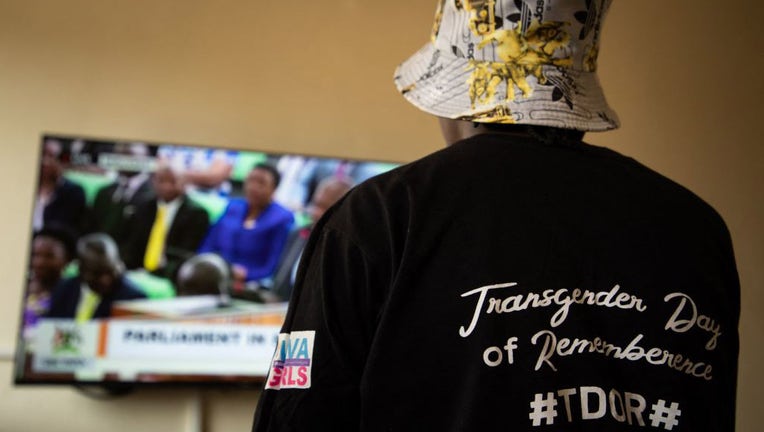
column 167, row 230
column 100, row 282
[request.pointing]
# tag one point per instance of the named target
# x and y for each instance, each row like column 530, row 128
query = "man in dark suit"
column 328, row 192
column 115, row 203
column 101, row 282
column 167, row 230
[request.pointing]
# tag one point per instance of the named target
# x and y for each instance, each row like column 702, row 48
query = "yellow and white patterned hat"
column 512, row 61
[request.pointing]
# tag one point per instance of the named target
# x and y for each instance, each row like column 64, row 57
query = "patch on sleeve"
column 292, row 362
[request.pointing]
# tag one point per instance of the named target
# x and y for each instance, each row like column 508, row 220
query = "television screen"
column 165, row 263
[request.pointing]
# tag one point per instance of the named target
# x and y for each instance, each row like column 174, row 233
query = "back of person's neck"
column 459, row 130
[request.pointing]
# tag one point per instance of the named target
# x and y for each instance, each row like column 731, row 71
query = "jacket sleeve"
column 315, row 378
column 139, row 225
column 210, row 241
column 186, row 240
column 192, row 227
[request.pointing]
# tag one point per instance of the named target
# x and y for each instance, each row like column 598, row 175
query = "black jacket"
column 186, row 233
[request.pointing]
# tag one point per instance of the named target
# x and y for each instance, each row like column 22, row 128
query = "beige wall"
column 682, row 74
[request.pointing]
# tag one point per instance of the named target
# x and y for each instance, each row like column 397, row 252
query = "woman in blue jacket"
column 252, row 232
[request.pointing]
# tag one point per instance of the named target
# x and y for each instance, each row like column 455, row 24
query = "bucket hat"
column 512, row 61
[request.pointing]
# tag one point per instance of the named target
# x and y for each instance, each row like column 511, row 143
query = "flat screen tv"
column 163, row 263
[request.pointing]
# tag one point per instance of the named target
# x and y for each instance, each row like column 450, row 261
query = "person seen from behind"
column 520, row 278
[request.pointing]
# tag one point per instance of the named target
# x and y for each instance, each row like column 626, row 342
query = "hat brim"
column 436, row 81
